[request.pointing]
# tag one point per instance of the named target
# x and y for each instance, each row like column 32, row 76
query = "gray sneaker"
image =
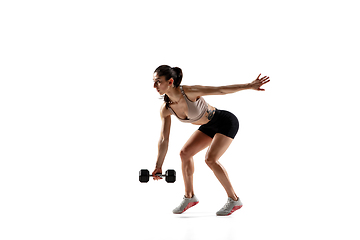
column 186, row 204
column 230, row 207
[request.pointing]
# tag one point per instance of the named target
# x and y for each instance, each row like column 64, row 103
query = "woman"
column 217, row 130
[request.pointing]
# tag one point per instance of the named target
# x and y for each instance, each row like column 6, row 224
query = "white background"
column 79, row 118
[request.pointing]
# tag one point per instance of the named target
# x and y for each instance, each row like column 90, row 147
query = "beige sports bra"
column 196, row 110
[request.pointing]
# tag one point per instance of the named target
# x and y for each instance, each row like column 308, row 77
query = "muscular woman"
column 217, row 130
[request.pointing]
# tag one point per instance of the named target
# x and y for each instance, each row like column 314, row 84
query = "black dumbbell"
column 170, row 175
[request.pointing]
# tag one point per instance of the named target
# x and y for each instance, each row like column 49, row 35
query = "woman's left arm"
column 222, row 90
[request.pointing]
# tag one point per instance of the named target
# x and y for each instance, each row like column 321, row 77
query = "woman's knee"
column 211, row 161
column 185, row 155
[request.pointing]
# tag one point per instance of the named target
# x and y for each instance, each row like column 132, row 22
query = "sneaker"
column 186, row 204
column 230, row 207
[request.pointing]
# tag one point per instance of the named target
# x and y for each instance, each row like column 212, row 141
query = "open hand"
column 257, row 83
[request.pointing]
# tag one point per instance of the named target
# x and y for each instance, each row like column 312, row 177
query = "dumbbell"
column 170, row 175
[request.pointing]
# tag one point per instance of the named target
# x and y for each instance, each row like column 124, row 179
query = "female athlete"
column 217, row 130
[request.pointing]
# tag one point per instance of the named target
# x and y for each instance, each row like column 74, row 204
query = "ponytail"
column 179, row 76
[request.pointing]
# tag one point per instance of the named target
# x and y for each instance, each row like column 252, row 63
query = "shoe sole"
column 233, row 210
column 191, row 204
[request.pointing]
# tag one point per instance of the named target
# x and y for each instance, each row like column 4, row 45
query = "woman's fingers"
column 264, row 78
column 156, row 177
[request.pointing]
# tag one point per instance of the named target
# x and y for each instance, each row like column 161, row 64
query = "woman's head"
column 166, row 77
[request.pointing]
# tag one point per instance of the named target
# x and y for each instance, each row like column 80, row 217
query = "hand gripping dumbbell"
column 170, row 175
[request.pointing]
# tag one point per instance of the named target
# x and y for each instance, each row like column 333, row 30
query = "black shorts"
column 223, row 122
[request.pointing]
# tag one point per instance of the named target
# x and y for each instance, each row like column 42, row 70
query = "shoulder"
column 190, row 88
column 197, row 91
column 164, row 112
column 193, row 92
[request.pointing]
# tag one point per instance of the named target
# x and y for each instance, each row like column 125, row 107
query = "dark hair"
column 169, row 72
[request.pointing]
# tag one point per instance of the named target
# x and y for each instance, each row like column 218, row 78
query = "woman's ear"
column 171, row 81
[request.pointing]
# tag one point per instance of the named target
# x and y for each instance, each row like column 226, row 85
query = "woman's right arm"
column 164, row 138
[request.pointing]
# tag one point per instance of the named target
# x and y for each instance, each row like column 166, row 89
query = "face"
column 161, row 85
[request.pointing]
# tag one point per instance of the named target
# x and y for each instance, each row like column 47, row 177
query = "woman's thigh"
column 218, row 147
column 197, row 142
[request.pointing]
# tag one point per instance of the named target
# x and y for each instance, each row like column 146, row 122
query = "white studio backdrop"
column 79, row 118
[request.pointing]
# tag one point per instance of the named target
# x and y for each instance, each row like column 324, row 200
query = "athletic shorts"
column 223, row 122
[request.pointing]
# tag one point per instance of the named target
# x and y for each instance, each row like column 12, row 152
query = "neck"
column 174, row 94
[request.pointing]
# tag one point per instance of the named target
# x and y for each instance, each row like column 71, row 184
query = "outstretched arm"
column 222, row 90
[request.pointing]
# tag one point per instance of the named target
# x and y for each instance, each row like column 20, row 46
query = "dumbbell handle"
column 158, row 175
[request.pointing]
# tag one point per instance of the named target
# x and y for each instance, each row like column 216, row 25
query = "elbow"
column 164, row 140
column 163, row 144
column 223, row 91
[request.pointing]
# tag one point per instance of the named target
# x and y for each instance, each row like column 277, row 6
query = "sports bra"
column 196, row 110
